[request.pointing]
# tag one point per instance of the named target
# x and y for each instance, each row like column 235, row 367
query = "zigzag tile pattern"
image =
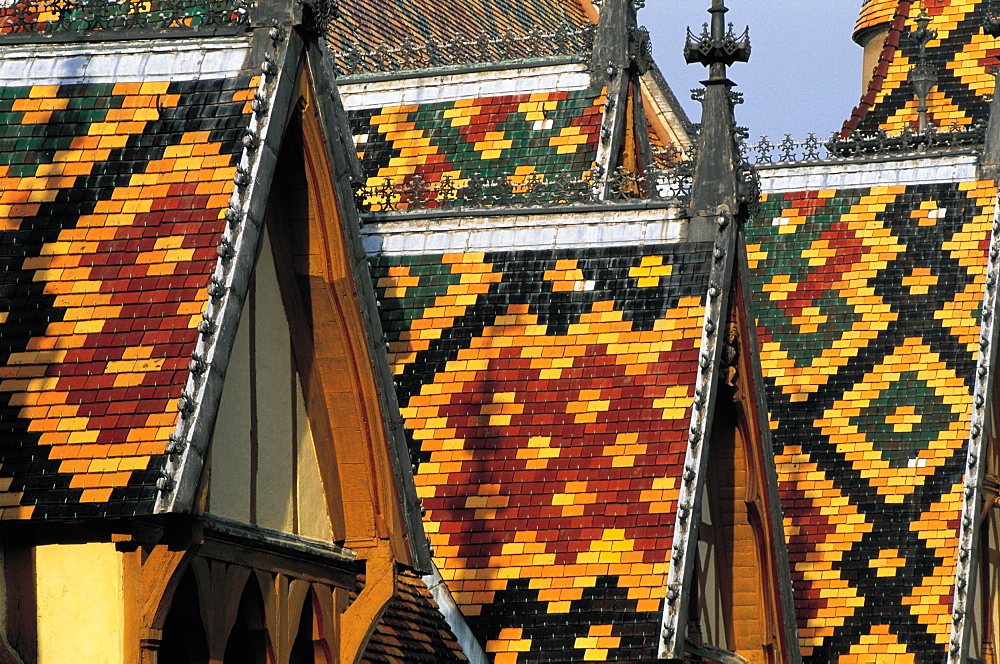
column 547, row 397
column 111, row 203
column 868, row 303
column 540, row 135
column 961, row 57
column 374, row 23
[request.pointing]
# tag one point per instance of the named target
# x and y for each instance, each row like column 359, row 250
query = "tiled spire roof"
column 412, row 629
column 960, row 57
column 875, row 13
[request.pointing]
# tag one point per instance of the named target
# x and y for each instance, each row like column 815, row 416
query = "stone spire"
column 714, row 216
column 716, row 181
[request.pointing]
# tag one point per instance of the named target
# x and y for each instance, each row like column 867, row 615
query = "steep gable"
column 263, row 466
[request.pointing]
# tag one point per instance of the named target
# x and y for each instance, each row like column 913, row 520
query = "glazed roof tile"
column 868, row 303
column 374, row 23
column 412, row 629
column 541, row 134
column 961, row 57
column 111, row 202
column 875, row 13
column 546, row 395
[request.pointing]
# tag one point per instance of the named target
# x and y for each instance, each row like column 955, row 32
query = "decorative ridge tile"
column 877, row 81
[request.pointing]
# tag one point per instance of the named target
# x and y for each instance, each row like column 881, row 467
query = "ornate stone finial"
column 717, row 47
column 922, row 76
column 716, row 183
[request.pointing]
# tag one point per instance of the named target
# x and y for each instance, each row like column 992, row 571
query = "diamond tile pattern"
column 111, row 198
column 412, row 629
column 868, row 303
column 546, row 395
column 961, row 57
column 374, row 23
column 544, row 134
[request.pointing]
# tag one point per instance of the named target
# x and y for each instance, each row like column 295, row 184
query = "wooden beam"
column 364, row 614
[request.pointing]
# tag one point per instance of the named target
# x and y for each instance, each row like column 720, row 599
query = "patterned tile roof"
column 547, row 397
column 373, row 23
column 868, row 303
column 875, row 13
column 111, row 203
column 961, row 57
column 542, row 134
column 412, row 629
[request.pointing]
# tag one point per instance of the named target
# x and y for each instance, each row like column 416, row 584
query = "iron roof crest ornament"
column 31, row 20
column 715, row 46
column 991, row 22
column 319, row 14
column 922, row 76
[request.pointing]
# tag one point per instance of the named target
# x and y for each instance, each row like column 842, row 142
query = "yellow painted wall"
column 229, row 451
column 873, row 49
column 275, row 400
column 313, row 516
column 80, row 603
column 289, row 491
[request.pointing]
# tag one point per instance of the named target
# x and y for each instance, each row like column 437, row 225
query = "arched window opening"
column 184, row 640
column 248, row 641
column 309, row 646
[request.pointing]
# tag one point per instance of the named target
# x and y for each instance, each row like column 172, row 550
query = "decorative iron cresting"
column 39, row 18
column 671, row 185
column 710, row 48
column 357, row 59
column 864, row 146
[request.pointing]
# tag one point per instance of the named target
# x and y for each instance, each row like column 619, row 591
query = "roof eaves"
column 751, row 348
column 667, row 107
column 685, row 541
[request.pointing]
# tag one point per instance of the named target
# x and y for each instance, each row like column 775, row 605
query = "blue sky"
column 804, row 72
